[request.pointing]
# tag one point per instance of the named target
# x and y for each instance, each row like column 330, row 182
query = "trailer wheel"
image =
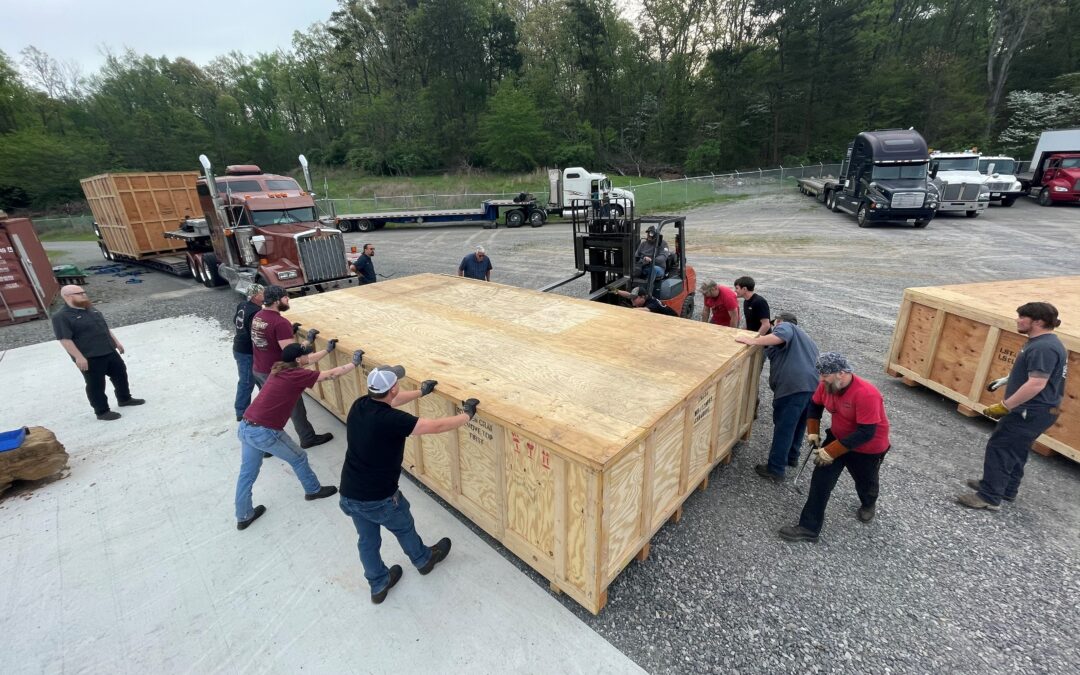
column 211, row 278
column 1008, row 201
column 537, row 218
column 515, row 218
column 1044, row 197
column 364, row 226
column 104, row 251
column 861, row 216
column 830, row 201
column 688, row 307
column 921, row 223
column 194, row 261
column 971, row 214
column 345, row 225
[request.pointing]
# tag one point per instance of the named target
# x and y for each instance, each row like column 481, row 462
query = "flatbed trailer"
column 816, row 187
column 517, row 213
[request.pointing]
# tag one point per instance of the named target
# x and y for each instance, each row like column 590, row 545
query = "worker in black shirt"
column 755, row 308
column 242, row 350
column 364, row 267
column 369, row 476
column 639, row 299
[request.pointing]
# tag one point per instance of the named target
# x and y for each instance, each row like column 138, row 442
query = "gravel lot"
column 928, row 586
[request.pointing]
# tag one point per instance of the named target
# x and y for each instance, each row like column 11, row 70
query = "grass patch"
column 67, row 235
column 56, row 255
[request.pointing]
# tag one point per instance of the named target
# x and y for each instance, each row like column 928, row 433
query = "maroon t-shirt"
column 268, row 328
column 272, row 407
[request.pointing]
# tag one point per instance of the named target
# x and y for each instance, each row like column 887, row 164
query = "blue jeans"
column 254, row 441
column 656, row 268
column 246, row 382
column 789, row 424
column 393, row 514
column 1007, row 452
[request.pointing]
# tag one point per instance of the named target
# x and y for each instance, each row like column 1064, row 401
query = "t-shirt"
column 657, row 307
column 475, row 269
column 86, row 328
column 1046, row 356
column 268, row 328
column 859, row 403
column 755, row 309
column 376, row 433
column 242, row 318
column 723, row 303
column 792, row 365
column 272, row 407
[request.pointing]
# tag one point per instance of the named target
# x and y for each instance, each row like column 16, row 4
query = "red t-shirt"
column 721, row 305
column 268, row 328
column 272, row 407
column 859, row 403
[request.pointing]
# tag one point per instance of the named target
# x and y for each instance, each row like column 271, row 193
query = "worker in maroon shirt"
column 262, row 429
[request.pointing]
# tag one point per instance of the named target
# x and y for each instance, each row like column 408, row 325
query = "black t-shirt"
column 86, row 328
column 376, row 437
column 657, row 307
column 756, row 310
column 245, row 312
column 1042, row 355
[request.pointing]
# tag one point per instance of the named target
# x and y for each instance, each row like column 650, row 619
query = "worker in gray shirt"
column 793, row 377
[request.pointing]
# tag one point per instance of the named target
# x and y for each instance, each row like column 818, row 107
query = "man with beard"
column 363, row 267
column 270, row 334
column 857, row 440
column 84, row 334
column 1033, row 392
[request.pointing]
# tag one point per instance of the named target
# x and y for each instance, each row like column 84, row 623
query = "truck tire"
column 921, row 223
column 972, row 214
column 345, row 225
column 830, row 201
column 688, row 307
column 194, row 261
column 364, row 225
column 861, row 216
column 537, row 218
column 105, row 253
column 613, row 211
column 1044, row 197
column 211, row 278
column 515, row 218
column 1008, row 201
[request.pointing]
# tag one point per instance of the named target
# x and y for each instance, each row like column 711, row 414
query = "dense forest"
column 412, row 86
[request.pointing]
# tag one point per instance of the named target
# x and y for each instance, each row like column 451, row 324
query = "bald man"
column 86, row 338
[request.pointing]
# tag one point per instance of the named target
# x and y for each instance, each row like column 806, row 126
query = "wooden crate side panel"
column 918, row 338
column 329, row 391
column 702, row 411
column 530, row 494
column 958, row 354
column 667, row 465
column 1067, row 428
column 730, row 407
column 436, row 447
column 582, row 499
column 480, row 442
column 622, row 490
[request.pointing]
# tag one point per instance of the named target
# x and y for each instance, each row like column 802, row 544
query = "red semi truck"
column 1054, row 176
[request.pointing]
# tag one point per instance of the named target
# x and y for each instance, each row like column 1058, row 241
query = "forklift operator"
column 651, row 254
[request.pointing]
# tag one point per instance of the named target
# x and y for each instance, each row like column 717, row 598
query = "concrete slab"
column 133, row 564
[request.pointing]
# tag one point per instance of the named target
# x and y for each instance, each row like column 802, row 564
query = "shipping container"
column 596, row 422
column 27, row 284
column 133, row 211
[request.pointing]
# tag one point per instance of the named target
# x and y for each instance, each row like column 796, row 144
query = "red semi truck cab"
column 1060, row 179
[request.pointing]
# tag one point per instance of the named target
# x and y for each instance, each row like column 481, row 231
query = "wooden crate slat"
column 135, row 210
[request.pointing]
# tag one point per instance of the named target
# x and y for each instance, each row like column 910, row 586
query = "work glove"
column 331, row 345
column 295, row 328
column 427, row 386
column 997, row 384
column 311, row 335
column 996, row 411
column 825, row 456
column 469, row 406
column 814, row 439
column 357, row 357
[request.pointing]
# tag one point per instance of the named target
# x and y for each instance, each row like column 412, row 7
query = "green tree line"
column 410, row 86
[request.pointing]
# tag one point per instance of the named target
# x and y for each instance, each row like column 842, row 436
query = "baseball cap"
column 272, row 294
column 292, row 352
column 786, row 317
column 831, row 363
column 383, row 378
column 254, row 289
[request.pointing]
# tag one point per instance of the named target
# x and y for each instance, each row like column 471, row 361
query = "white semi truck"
column 960, row 185
column 575, row 184
column 1001, row 178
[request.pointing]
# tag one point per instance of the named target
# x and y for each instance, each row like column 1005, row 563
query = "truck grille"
column 999, row 187
column 322, row 258
column 907, row 200
column 960, row 192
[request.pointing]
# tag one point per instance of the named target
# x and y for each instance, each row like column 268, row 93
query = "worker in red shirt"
column 721, row 305
column 857, row 440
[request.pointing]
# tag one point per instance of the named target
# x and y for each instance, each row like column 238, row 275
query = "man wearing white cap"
column 369, row 476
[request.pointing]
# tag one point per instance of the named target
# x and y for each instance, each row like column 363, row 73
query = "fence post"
column 781, row 173
column 821, row 171
column 661, row 190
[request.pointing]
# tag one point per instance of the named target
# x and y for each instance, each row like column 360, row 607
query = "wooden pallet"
column 957, row 339
column 596, row 422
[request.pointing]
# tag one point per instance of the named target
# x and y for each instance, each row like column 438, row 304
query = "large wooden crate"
column 595, row 424
column 135, row 210
column 957, row 339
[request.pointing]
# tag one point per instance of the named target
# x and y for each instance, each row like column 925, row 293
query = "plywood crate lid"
column 586, row 377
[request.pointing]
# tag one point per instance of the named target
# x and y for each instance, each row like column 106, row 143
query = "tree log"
column 39, row 456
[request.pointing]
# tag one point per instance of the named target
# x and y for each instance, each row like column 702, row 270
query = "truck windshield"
column 281, row 184
column 305, row 214
column 1003, row 166
column 897, row 171
column 1070, row 163
column 958, row 164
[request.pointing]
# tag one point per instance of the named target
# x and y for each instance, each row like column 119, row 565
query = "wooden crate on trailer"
column 596, row 422
column 133, row 211
column 957, row 339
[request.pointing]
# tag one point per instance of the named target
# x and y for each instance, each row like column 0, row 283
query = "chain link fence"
column 64, row 224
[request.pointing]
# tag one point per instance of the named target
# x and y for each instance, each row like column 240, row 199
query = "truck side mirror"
column 990, row 169
column 933, row 173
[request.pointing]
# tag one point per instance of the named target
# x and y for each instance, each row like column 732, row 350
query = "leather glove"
column 331, row 345
column 427, row 386
column 825, row 456
column 295, row 328
column 469, row 406
column 997, row 384
column 813, row 432
column 311, row 335
column 996, row 411
column 357, row 357
column 815, row 440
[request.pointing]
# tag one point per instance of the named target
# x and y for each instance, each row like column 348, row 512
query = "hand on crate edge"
column 357, row 357
column 427, row 386
column 311, row 335
column 296, row 327
column 469, row 406
column 331, row 345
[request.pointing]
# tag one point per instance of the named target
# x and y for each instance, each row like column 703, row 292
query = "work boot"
column 318, row 440
column 866, row 513
column 395, row 574
column 763, row 471
column 243, row 524
column 109, row 415
column 797, row 533
column 324, row 491
column 972, row 500
column 438, row 552
column 133, row 401
column 976, row 485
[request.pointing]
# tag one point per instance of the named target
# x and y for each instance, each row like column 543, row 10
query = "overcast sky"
column 78, row 30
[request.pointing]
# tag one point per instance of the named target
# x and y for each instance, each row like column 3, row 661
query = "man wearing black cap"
column 857, row 440
column 651, row 255
column 262, row 430
column 639, row 299
column 369, row 476
column 270, row 334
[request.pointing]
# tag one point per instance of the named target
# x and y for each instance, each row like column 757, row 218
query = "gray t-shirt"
column 792, row 368
column 86, row 328
column 1042, row 355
